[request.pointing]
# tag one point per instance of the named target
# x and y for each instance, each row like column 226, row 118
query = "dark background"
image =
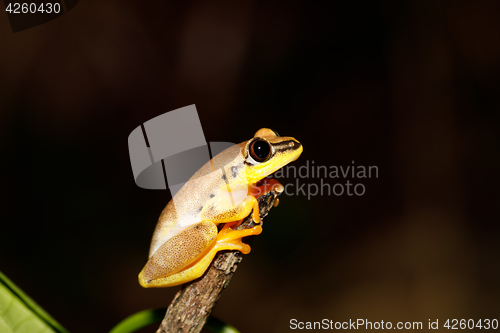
column 412, row 87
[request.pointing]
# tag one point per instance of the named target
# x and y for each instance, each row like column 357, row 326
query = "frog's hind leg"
column 155, row 274
column 167, row 265
column 228, row 240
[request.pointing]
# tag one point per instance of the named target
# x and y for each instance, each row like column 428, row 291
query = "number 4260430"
column 32, row 8
column 455, row 324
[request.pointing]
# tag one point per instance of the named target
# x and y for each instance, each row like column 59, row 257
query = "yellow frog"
column 186, row 237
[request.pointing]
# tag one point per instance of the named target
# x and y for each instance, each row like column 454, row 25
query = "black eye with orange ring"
column 260, row 150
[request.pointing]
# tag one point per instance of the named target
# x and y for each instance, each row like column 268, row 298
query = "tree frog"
column 187, row 236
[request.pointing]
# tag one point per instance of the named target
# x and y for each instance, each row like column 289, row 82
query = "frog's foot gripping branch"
column 230, row 239
column 265, row 186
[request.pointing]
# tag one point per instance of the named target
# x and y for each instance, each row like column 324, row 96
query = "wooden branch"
column 193, row 304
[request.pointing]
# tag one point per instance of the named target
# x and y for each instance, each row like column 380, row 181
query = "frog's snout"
column 296, row 148
column 295, row 145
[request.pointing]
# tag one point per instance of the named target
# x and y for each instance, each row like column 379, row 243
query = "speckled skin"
column 185, row 239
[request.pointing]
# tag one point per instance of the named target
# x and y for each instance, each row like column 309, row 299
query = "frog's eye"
column 260, row 150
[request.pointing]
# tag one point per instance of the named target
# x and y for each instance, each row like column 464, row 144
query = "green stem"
column 215, row 325
column 139, row 320
column 148, row 317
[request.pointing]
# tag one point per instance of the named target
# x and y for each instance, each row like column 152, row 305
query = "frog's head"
column 268, row 152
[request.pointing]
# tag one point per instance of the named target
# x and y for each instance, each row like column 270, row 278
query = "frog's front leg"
column 225, row 210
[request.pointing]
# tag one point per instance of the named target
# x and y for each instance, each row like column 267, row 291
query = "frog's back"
column 185, row 207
